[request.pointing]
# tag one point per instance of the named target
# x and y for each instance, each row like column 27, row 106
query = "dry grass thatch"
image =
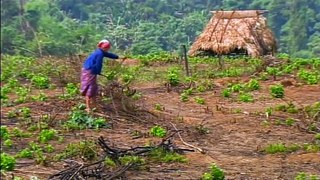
column 236, row 31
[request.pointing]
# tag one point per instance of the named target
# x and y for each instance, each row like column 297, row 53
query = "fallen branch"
column 185, row 143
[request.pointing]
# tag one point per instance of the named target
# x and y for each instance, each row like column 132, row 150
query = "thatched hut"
column 235, row 32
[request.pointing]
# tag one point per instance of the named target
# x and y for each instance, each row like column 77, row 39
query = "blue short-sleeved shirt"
column 95, row 60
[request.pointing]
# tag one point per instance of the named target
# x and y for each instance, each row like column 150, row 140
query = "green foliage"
column 226, row 92
column 8, row 143
column 252, row 85
column 277, row 91
column 109, row 162
column 304, row 176
column 312, row 148
column 215, row 173
column 158, row 107
column 280, row 148
column 4, row 133
column 41, row 97
column 158, row 131
column 290, row 108
column 173, row 76
column 184, row 97
column 125, row 160
column 72, row 90
column 309, row 77
column 313, row 109
column 47, row 135
column 40, row 81
column 246, row 97
column 19, row 133
column 199, row 100
column 25, row 112
column 83, row 149
column 25, row 153
column 80, row 119
column 160, row 155
column 7, row 162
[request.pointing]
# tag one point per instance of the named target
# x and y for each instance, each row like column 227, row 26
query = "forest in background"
column 63, row 27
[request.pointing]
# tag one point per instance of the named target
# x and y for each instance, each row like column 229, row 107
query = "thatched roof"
column 236, row 31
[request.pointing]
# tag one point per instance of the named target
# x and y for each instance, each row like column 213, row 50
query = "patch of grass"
column 304, row 176
column 131, row 159
column 311, row 147
column 160, row 155
column 281, row 148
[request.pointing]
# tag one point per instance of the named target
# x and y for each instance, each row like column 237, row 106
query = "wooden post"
column 185, row 58
column 221, row 63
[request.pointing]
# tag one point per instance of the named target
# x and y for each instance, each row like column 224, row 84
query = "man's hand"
column 121, row 59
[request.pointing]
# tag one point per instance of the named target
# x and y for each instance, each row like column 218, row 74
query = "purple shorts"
column 89, row 86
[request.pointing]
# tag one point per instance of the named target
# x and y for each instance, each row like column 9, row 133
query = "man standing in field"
column 90, row 69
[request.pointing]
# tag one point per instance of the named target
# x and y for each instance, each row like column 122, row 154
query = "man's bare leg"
column 88, row 99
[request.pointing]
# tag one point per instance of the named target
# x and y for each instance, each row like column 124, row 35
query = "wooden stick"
column 187, row 144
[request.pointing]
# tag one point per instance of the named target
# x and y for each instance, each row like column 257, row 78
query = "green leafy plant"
column 173, row 76
column 158, row 131
column 40, row 97
column 4, row 133
column 80, row 119
column 309, row 77
column 252, row 85
column 226, row 93
column 245, row 97
column 274, row 72
column 8, row 143
column 184, row 97
column 72, row 89
column 25, row 112
column 290, row 121
column 19, row 133
column 40, row 81
column 47, row 135
column 304, row 176
column 22, row 93
column 199, row 100
column 158, row 107
column 7, row 162
column 215, row 173
column 277, row 91
column 25, row 153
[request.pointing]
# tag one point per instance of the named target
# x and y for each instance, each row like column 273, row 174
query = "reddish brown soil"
column 235, row 140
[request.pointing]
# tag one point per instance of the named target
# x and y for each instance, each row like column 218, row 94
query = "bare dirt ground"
column 235, row 140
